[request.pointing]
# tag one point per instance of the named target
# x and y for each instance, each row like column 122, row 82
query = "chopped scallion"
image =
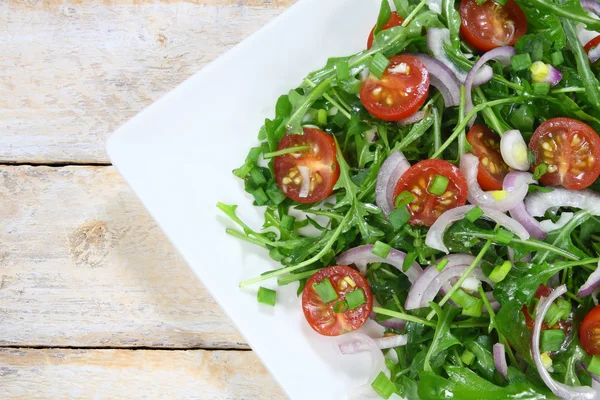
column 463, row 299
column 326, row 291
column 520, row 62
column 287, row 223
column 474, row 214
column 399, row 217
column 409, row 260
column 322, row 117
column 594, row 366
column 441, row 265
column 474, row 311
column 378, row 65
column 552, row 340
column 260, row 196
column 383, row 386
column 342, row 70
column 381, row 249
column 557, row 58
column 438, row 185
column 541, row 88
column 340, row 307
column 266, row 296
column 355, row 298
column 540, row 171
column 503, row 236
column 467, row 357
column 257, row 176
column 403, row 199
column 500, row 271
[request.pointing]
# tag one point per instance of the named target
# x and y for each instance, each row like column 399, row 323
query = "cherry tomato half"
column 319, row 162
column 427, row 207
column 491, row 25
column 400, row 92
column 486, row 147
column 589, row 332
column 592, row 43
column 571, row 149
column 322, row 317
column 545, row 291
column 395, row 20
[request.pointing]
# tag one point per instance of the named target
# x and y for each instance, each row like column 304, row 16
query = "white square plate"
column 178, row 155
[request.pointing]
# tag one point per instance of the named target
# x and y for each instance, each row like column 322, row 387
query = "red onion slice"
column 559, row 389
column 435, row 236
column 564, row 218
column 538, row 203
column 390, row 172
column 361, row 256
column 396, row 324
column 500, row 54
column 591, row 6
column 416, row 117
column 500, row 360
column 591, row 284
column 360, row 345
column 469, row 166
column 518, row 212
column 442, row 78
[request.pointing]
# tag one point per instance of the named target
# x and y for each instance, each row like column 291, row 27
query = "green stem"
column 462, row 278
column 403, row 316
column 343, row 108
column 492, row 315
column 284, row 280
column 414, row 13
column 296, row 149
column 324, row 213
column 495, row 123
column 248, row 239
column 546, row 7
column 462, row 140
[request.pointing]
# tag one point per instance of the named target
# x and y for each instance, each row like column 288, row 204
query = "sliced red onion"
column 435, row 236
column 367, row 344
column 559, row 389
column 548, row 225
column 584, row 35
column 518, row 212
column 538, row 203
column 360, row 344
column 500, row 360
column 436, row 38
column 594, row 54
column 396, row 324
column 469, row 166
column 591, row 6
column 416, row 117
column 435, row 6
column 390, row 172
column 363, row 255
column 305, row 188
column 592, row 283
column 541, row 72
column 514, row 150
column 442, row 78
column 500, row 54
column 371, row 135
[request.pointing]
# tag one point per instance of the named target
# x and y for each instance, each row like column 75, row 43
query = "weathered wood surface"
column 125, row 374
column 72, row 71
column 83, row 264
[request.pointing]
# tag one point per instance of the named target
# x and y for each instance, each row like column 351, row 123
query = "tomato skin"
column 591, row 44
column 427, row 207
column 490, row 25
column 589, row 332
column 322, row 317
column 486, row 147
column 320, row 159
column 397, row 95
column 395, row 20
column 571, row 149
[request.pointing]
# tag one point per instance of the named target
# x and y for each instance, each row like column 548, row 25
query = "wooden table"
column 94, row 301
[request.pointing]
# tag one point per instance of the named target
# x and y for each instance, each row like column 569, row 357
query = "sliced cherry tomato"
column 319, row 162
column 400, row 92
column 571, row 149
column 395, row 20
column 545, row 291
column 491, row 25
column 589, row 332
column 322, row 317
column 592, row 43
column 427, row 207
column 486, row 147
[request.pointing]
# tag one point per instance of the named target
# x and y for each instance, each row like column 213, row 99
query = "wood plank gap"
column 52, row 164
column 132, row 348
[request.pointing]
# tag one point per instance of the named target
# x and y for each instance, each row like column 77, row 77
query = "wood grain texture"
column 72, row 71
column 124, row 374
column 82, row 264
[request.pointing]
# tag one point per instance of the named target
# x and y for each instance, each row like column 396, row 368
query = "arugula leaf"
column 402, row 8
column 385, row 12
column 442, row 339
column 484, row 361
column 568, row 9
column 562, row 238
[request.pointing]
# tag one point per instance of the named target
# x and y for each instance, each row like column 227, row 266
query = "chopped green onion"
column 523, row 118
column 463, row 299
column 325, row 291
column 266, row 296
column 275, row 254
column 276, row 195
column 403, row 199
column 441, row 265
column 557, row 58
column 340, row 307
column 503, row 236
column 260, row 196
column 467, row 357
column 253, row 154
column 378, row 65
column 244, row 170
column 552, row 340
column 383, row 386
column 542, row 88
column 342, row 70
column 594, row 366
column 557, row 311
column 500, row 271
column 356, row 298
column 399, row 217
column 474, row 214
column 287, row 223
column 540, row 170
column 474, row 311
column 322, row 117
column 257, row 176
column 438, row 185
column 409, row 260
column 340, row 120
column 520, row 62
column 381, row 249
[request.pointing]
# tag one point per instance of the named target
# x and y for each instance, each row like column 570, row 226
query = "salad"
column 444, row 182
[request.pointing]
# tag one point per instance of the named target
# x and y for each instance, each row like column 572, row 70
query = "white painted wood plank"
column 83, row 264
column 52, row 374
